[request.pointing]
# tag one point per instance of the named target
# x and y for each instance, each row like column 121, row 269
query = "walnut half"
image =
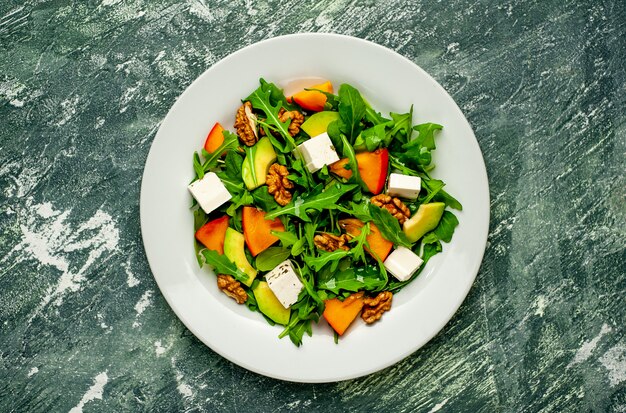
column 394, row 205
column 296, row 117
column 232, row 288
column 245, row 123
column 278, row 184
column 329, row 242
column 373, row 308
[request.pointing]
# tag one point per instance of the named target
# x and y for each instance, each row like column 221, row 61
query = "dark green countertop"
column 83, row 88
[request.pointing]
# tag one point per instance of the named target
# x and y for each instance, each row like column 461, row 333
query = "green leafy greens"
column 321, row 203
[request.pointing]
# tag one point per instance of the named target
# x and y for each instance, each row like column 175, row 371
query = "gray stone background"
column 83, row 88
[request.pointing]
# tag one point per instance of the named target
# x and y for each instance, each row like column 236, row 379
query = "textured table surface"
column 83, row 88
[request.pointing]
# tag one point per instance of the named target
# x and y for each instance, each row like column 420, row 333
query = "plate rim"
column 472, row 272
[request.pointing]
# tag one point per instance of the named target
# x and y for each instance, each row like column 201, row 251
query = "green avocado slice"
column 425, row 219
column 269, row 304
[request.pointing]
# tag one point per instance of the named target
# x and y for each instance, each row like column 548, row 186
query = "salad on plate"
column 318, row 206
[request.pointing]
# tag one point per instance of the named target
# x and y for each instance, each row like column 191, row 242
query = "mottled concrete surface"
column 83, row 87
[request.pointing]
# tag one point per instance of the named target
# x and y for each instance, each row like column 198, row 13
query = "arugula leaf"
column 436, row 193
column 263, row 199
column 334, row 133
column 383, row 274
column 348, row 152
column 244, row 198
column 317, row 263
column 357, row 210
column 351, row 111
column 234, row 163
column 298, row 247
column 400, row 127
column 251, row 302
column 426, row 137
column 388, row 226
column 373, row 117
column 276, row 95
column 430, row 238
column 296, row 329
column 371, row 139
column 431, row 250
column 300, row 175
column 325, row 200
column 432, row 186
column 354, row 279
column 271, row 257
column 222, row 265
column 307, row 309
column 231, row 141
column 448, row 199
column 261, row 100
column 360, row 241
column 197, row 166
column 309, row 233
column 231, row 177
column 417, row 151
column 199, row 218
column 287, row 239
column 307, row 280
column 445, row 228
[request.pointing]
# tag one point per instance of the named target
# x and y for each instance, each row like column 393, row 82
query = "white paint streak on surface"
column 99, row 122
column 584, row 352
column 131, row 280
column 95, row 392
column 143, row 303
column 128, row 95
column 184, row 389
column 33, row 371
column 541, row 305
column 10, row 90
column 45, row 210
column 158, row 348
column 614, row 361
column 68, row 110
column 53, row 242
column 438, row 406
column 201, row 10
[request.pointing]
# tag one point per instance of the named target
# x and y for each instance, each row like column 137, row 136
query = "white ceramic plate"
column 391, row 83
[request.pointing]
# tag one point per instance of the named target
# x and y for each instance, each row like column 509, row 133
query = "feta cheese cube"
column 402, row 263
column 284, row 283
column 317, row 152
column 210, row 192
column 404, row 186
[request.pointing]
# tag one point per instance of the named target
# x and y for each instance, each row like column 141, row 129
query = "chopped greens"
column 335, row 238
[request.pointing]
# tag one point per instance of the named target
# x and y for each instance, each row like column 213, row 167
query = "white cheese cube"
column 317, row 152
column 404, row 186
column 402, row 263
column 284, row 283
column 210, row 192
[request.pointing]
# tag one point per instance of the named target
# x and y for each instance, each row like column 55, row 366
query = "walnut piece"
column 373, row 308
column 296, row 117
column 395, row 207
column 245, row 123
column 232, row 288
column 329, row 242
column 278, row 184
